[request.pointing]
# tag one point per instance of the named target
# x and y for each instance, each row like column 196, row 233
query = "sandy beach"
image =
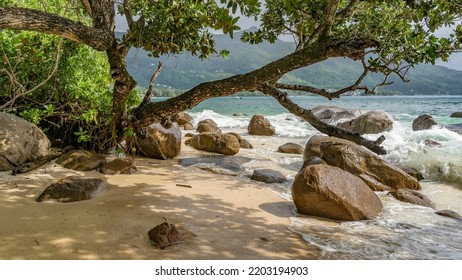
column 221, row 217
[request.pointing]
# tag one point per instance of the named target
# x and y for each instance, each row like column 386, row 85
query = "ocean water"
column 402, row 231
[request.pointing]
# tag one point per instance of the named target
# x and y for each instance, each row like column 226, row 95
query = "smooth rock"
column 217, row 163
column 188, row 126
column 119, row 166
column 423, row 122
column 312, row 161
column 457, row 128
column 456, row 115
column 450, row 214
column 268, row 176
column 313, row 146
column 411, row 171
column 372, row 122
column 183, row 118
column 412, row 196
column 165, row 235
column 330, row 192
column 20, row 142
column 158, row 142
column 72, row 189
column 291, row 148
column 359, row 160
column 259, row 125
column 225, row 144
column 242, row 142
column 81, row 160
column 208, row 125
column 334, row 114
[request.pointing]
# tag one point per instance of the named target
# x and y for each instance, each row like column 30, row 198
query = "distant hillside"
column 185, row 71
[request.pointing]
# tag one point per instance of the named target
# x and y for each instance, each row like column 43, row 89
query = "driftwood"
column 32, row 165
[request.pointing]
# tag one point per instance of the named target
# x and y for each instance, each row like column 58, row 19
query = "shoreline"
column 221, row 217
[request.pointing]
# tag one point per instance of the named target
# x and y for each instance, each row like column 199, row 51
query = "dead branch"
column 148, row 95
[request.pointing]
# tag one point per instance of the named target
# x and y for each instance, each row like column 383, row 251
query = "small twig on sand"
column 184, row 186
column 37, row 242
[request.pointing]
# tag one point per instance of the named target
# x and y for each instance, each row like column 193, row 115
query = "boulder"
column 372, row 122
column 411, row 171
column 225, row 144
column 72, row 189
column 330, row 192
column 291, row 148
column 457, row 128
column 268, row 176
column 119, row 166
column 165, row 235
column 81, row 160
column 423, row 122
column 313, row 146
column 334, row 114
column 242, row 142
column 188, row 126
column 208, row 125
column 456, row 115
column 362, row 162
column 158, row 142
column 183, row 118
column 312, row 161
column 414, row 197
column 219, row 164
column 450, row 214
column 259, row 125
column 20, row 142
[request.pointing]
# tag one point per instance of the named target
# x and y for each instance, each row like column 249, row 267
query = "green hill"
column 184, row 71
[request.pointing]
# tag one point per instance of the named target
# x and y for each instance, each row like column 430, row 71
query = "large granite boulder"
column 268, row 176
column 183, row 118
column 158, row 142
column 291, row 148
column 372, row 122
column 72, row 189
column 119, row 166
column 423, row 122
column 81, row 160
column 242, row 142
column 334, row 114
column 313, row 146
column 208, row 125
column 456, row 115
column 259, row 125
column 225, row 144
column 377, row 173
column 330, row 192
column 20, row 142
column 412, row 196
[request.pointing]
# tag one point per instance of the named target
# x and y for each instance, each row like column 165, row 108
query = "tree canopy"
column 388, row 37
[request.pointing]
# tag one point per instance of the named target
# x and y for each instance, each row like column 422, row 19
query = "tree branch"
column 34, row 20
column 87, row 7
column 128, row 14
column 148, row 95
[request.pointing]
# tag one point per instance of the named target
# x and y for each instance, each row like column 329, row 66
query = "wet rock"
column 158, row 142
column 217, row 163
column 225, row 144
column 188, row 126
column 72, row 189
column 423, row 122
column 450, row 214
column 360, row 161
column 81, row 160
column 208, row 125
column 183, row 118
column 456, row 115
column 457, row 128
column 432, row 143
column 411, row 171
column 330, row 192
column 372, row 122
column 20, row 142
column 259, row 125
column 119, row 166
column 165, row 235
column 239, row 115
column 313, row 146
column 412, row 196
column 291, row 148
column 268, row 176
column 334, row 114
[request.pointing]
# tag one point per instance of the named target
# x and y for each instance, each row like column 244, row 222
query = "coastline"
column 221, row 217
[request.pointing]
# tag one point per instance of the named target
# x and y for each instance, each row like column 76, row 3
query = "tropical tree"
column 388, row 37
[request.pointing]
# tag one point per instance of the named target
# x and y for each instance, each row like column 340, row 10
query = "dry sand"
column 221, row 217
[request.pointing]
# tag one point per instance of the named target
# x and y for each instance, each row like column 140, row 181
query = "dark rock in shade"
column 291, row 148
column 225, row 144
column 412, row 171
column 165, row 235
column 312, row 161
column 208, row 125
column 268, row 176
column 423, row 122
column 158, row 142
column 217, row 163
column 362, row 162
column 414, row 197
column 456, row 115
column 20, row 142
column 372, row 122
column 72, row 189
column 188, row 126
column 457, row 128
column 450, row 214
column 119, row 166
column 313, row 146
column 81, row 160
column 183, row 118
column 259, row 125
column 327, row 191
